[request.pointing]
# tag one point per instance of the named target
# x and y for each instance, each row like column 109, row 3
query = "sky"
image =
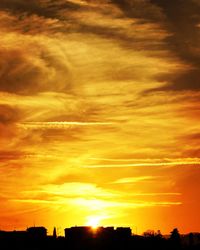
column 99, row 114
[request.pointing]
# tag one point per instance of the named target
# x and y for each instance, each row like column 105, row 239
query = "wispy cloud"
column 135, row 179
column 156, row 194
column 60, row 125
column 103, row 205
column 172, row 162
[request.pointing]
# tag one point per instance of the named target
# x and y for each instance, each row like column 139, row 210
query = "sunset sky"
column 100, row 114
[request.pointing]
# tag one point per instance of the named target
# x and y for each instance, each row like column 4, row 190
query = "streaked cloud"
column 64, row 124
column 91, row 203
column 134, row 179
column 174, row 162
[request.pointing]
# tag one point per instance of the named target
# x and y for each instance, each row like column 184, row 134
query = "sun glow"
column 93, row 221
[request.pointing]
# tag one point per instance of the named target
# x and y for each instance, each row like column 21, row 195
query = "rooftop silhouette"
column 88, row 238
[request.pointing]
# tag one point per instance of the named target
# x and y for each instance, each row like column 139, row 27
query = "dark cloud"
column 189, row 80
column 8, row 114
column 182, row 19
column 18, row 73
column 27, row 73
column 141, row 9
column 21, row 6
column 46, row 8
column 53, row 17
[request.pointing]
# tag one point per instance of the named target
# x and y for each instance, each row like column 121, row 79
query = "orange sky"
column 99, row 114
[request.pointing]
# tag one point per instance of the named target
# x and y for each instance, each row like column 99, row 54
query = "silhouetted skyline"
column 85, row 237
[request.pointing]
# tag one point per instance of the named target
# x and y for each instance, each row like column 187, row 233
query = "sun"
column 93, row 221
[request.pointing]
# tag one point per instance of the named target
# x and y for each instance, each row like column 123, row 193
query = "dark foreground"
column 134, row 242
column 83, row 238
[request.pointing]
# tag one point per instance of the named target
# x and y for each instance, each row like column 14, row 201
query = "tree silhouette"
column 175, row 238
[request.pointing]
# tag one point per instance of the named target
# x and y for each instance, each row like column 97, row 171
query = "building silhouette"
column 54, row 233
column 37, row 232
column 78, row 233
